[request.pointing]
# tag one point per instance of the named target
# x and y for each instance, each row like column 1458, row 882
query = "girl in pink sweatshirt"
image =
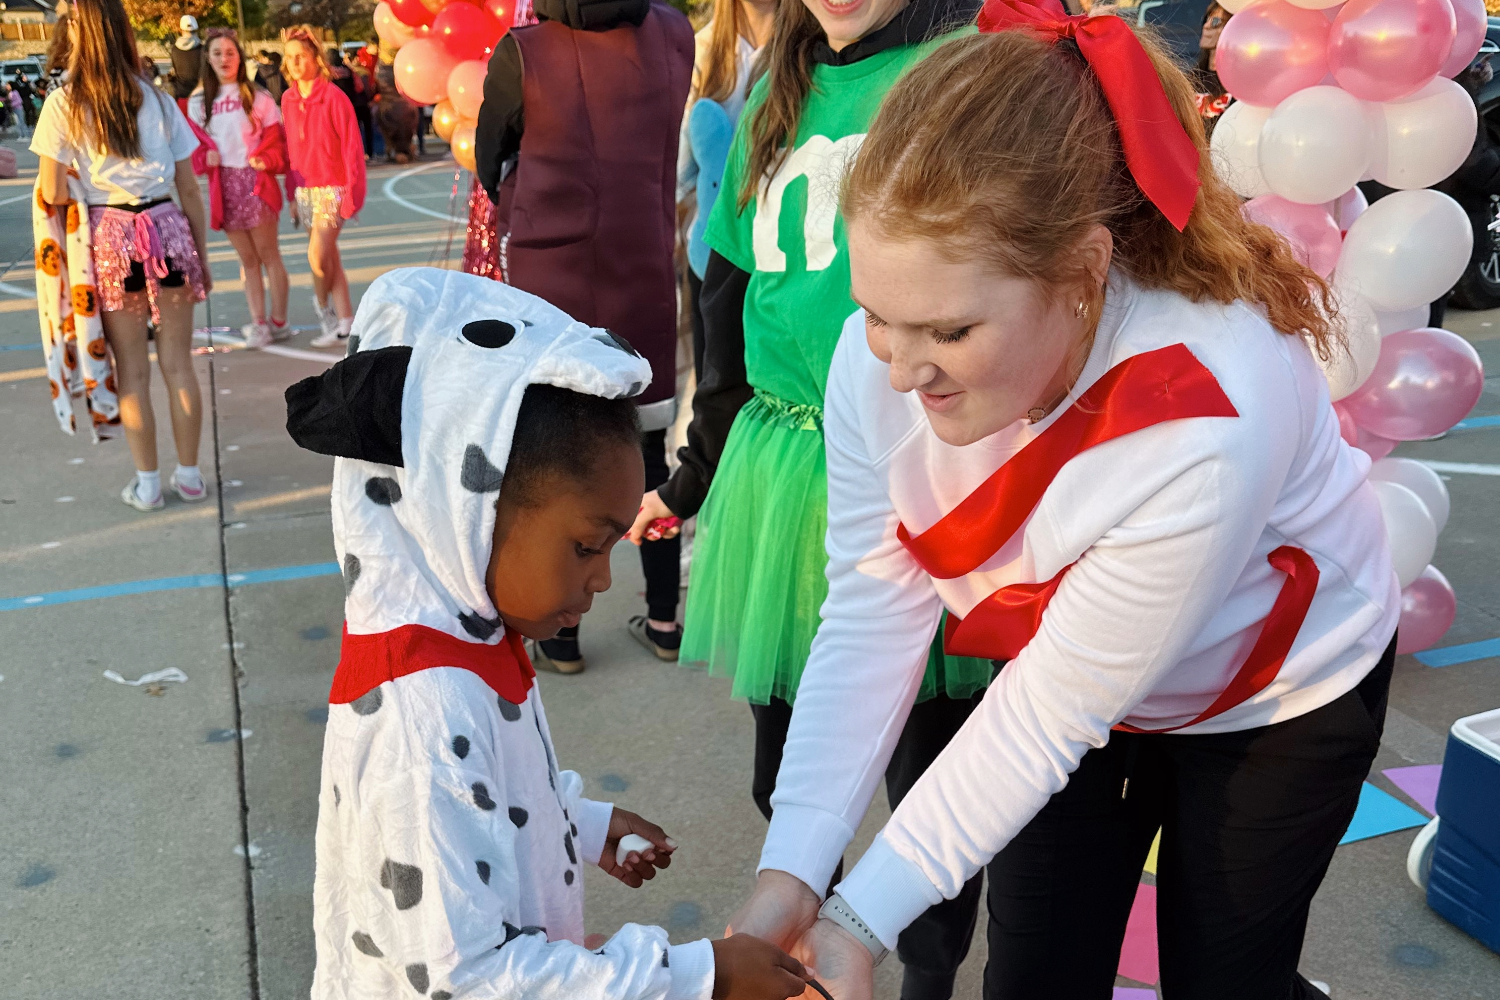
column 326, row 181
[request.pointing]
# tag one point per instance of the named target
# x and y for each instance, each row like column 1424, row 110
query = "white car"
column 11, row 68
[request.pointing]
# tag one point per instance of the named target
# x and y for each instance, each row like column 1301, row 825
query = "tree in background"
column 157, row 19
column 342, row 17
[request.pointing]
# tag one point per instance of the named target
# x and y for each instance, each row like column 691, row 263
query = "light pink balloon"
column 1428, row 607
column 1473, row 21
column 1426, row 381
column 1347, row 207
column 466, row 87
column 1311, row 231
column 1374, row 445
column 422, row 67
column 1380, row 50
column 1272, row 50
column 1348, row 429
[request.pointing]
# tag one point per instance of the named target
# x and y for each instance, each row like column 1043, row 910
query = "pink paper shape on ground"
column 1138, row 953
column 1133, row 993
column 1420, row 782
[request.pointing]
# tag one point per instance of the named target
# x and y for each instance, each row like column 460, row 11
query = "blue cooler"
column 1464, row 882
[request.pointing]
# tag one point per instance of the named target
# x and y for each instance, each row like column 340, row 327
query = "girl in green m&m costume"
column 775, row 296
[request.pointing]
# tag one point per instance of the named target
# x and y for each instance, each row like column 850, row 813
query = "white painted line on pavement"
column 300, row 355
column 1467, row 468
column 17, row 291
column 389, row 190
column 19, row 197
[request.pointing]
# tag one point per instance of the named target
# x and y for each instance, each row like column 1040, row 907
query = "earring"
column 1082, row 310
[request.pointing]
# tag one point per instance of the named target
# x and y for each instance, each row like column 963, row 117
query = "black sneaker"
column 664, row 644
column 560, row 655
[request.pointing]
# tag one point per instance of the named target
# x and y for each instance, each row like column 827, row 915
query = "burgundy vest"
column 587, row 219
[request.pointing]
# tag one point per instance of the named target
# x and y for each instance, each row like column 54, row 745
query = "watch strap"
column 837, row 909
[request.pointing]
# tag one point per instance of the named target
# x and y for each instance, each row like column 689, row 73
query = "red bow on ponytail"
column 1161, row 157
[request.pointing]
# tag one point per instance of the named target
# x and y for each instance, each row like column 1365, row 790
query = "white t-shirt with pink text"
column 235, row 132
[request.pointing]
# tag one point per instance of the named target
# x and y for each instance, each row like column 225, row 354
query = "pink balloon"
column 1425, row 382
column 1428, row 606
column 422, row 67
column 467, row 31
column 466, row 87
column 1380, row 50
column 1272, row 50
column 1348, row 429
column 1473, row 21
column 1311, row 231
column 1373, row 445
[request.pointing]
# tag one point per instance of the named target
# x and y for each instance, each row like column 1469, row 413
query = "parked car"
column 11, row 68
column 1476, row 184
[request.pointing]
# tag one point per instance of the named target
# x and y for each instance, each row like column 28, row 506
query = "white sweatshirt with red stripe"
column 1169, row 527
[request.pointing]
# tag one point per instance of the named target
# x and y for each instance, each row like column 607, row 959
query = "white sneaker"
column 133, row 499
column 281, row 332
column 257, row 335
column 188, row 494
column 330, row 335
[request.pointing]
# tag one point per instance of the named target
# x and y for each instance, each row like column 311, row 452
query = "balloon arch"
column 442, row 52
column 1330, row 93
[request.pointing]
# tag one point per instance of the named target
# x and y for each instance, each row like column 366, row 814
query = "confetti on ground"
column 1379, row 813
column 155, row 677
column 1138, row 953
column 1151, row 858
column 1133, row 993
column 254, row 849
column 1420, row 782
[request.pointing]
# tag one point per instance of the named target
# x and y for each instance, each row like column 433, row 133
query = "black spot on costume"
column 404, row 881
column 367, row 703
column 383, row 490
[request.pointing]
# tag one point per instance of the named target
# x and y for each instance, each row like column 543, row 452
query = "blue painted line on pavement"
column 1469, row 651
column 195, row 582
column 1476, row 423
column 20, row 347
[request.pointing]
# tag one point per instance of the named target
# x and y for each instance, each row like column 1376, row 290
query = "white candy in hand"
column 631, row 842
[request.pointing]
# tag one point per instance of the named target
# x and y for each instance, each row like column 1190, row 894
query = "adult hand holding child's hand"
column 845, row 967
column 641, row 865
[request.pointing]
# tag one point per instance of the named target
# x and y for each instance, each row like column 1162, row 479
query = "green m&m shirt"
column 790, row 237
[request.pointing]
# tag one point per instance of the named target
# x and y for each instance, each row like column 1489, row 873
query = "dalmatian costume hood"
column 449, row 844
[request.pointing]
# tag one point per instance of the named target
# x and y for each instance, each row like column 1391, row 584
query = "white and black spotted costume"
column 449, row 845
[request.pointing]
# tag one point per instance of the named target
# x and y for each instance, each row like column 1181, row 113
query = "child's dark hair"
column 559, row 431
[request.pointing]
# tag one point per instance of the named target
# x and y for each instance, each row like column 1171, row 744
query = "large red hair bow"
column 1161, row 157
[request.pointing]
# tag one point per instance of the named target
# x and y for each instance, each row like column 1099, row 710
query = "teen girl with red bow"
column 1081, row 410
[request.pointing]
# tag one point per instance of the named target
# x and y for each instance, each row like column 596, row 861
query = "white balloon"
column 1347, row 370
column 1421, row 480
column 1408, row 527
column 1315, row 145
column 1414, row 318
column 1408, row 249
column 1234, row 148
column 1347, row 207
column 1422, row 138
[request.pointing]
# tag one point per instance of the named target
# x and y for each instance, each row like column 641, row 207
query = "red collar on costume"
column 367, row 661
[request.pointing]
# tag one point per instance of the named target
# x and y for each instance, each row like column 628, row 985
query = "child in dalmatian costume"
column 449, row 844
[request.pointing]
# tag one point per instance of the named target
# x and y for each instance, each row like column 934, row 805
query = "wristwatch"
column 840, row 912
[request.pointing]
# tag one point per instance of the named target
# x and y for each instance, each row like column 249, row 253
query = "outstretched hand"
column 845, row 969
column 780, row 910
column 748, row 968
column 652, row 509
column 639, row 865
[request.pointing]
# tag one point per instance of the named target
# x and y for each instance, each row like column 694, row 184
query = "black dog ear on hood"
column 353, row 410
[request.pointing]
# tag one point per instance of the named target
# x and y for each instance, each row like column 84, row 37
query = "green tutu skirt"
column 758, row 562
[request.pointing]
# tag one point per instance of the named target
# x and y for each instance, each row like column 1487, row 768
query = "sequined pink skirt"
column 243, row 208
column 156, row 243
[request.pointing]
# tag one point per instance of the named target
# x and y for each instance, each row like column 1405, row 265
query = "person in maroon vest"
column 577, row 146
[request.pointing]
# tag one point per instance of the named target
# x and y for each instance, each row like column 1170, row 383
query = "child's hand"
column 747, row 968
column 638, row 866
column 653, row 510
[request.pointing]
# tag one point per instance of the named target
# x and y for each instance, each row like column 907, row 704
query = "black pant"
column 936, row 943
column 695, row 311
column 661, row 560
column 366, row 126
column 1249, row 822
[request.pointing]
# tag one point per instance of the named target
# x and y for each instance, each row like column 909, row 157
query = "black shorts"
column 135, row 281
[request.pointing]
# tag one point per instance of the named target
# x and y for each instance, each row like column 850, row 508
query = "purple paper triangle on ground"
column 1420, row 782
column 1380, row 813
column 1133, row 993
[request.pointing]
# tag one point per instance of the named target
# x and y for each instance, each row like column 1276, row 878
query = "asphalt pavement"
column 156, row 841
